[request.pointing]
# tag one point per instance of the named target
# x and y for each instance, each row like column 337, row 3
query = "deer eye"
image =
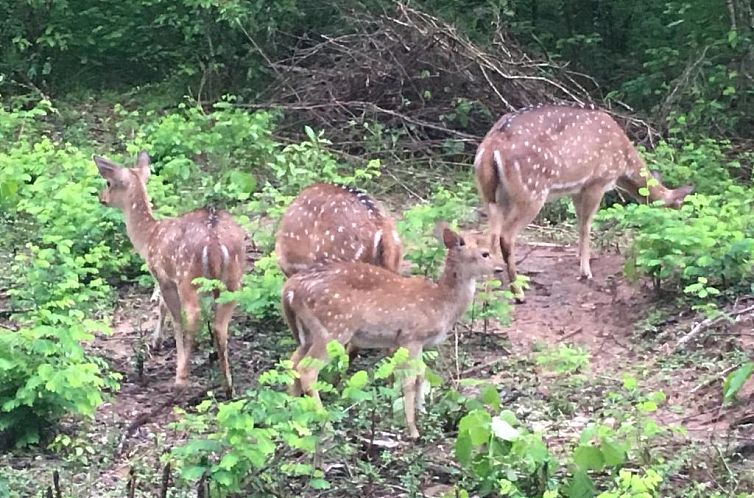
column 108, row 183
column 485, row 254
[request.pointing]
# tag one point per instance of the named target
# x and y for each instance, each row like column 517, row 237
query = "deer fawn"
column 328, row 223
column 538, row 154
column 202, row 243
column 371, row 307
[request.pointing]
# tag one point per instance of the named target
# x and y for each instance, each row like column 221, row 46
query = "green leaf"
column 736, row 380
column 193, row 472
column 581, row 486
column 491, row 397
column 613, row 453
column 503, row 429
column 463, row 449
column 310, row 133
column 319, row 483
column 588, row 458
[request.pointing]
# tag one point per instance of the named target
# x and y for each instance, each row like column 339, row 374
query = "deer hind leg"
column 411, row 384
column 158, row 335
column 502, row 237
column 223, row 314
column 308, row 368
column 189, row 317
column 586, row 202
column 512, row 220
column 172, row 301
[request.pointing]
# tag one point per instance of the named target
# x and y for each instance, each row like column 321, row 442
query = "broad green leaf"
column 736, row 380
column 588, row 458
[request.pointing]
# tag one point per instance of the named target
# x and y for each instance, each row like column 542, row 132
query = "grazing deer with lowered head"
column 327, row 223
column 370, row 307
column 202, row 243
column 538, row 154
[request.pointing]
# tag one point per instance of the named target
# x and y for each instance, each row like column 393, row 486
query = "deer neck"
column 457, row 290
column 140, row 222
column 633, row 181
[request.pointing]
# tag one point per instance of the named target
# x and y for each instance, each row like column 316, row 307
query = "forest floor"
column 623, row 328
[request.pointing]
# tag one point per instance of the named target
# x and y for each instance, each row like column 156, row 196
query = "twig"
column 483, row 366
column 707, row 323
column 131, row 486
column 571, row 334
column 56, row 484
column 717, row 377
column 140, row 421
column 165, row 481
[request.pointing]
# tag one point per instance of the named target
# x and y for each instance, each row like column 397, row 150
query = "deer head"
column 123, row 184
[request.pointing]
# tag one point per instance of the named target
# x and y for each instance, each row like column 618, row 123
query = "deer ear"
column 452, row 239
column 108, row 169
column 142, row 166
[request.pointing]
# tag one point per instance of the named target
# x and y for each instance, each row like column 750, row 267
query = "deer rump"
column 197, row 238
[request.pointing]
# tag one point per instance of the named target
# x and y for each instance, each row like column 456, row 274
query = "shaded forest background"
column 685, row 66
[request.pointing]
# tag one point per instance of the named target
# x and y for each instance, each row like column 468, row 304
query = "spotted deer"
column 539, row 154
column 202, row 243
column 371, row 307
column 328, row 223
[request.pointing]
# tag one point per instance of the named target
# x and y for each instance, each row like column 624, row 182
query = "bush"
column 710, row 237
column 58, row 281
column 502, row 457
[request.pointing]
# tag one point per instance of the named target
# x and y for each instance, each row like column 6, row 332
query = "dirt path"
column 598, row 314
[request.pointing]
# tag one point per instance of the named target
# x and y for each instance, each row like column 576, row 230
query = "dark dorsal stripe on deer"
column 327, row 223
column 538, row 154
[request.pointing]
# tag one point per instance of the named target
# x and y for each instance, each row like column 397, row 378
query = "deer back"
column 554, row 150
column 202, row 243
column 327, row 223
column 549, row 151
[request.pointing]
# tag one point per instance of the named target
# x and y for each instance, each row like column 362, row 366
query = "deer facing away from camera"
column 538, row 154
column 370, row 307
column 327, row 223
column 202, row 243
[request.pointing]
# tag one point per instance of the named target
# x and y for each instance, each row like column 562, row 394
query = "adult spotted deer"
column 202, row 243
column 371, row 307
column 327, row 223
column 538, row 154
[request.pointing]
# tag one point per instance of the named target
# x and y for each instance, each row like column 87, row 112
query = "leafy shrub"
column 58, row 281
column 266, row 441
column 252, row 443
column 418, row 223
column 500, row 456
column 710, row 237
column 702, row 163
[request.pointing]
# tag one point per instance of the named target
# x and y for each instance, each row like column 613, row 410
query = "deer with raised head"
column 202, row 243
column 542, row 153
column 327, row 223
column 371, row 307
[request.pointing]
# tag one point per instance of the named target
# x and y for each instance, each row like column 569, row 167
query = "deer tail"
column 215, row 258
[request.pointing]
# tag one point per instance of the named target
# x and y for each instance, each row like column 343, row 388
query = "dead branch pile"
column 417, row 76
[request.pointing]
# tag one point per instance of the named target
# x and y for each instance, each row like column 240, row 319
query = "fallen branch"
column 720, row 376
column 571, row 334
column 141, row 420
column 708, row 323
column 483, row 366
